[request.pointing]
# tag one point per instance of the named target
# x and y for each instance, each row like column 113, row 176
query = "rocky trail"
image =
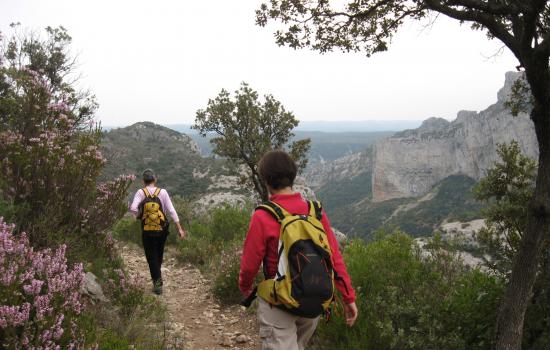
column 194, row 319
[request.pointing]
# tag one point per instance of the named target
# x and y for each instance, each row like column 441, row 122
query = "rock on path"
column 194, row 319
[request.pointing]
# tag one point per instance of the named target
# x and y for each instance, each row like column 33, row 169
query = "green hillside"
column 172, row 155
column 450, row 200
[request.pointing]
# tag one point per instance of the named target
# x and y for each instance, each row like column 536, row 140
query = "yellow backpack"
column 304, row 284
column 152, row 216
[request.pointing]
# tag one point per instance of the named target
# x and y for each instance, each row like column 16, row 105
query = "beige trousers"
column 281, row 330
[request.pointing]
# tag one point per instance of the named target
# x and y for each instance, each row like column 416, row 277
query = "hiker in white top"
column 149, row 206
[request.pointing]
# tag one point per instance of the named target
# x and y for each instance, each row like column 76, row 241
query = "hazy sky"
column 162, row 60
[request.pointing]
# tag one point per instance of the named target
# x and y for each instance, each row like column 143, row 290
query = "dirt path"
column 195, row 320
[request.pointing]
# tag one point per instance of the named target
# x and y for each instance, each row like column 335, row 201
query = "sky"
column 162, row 60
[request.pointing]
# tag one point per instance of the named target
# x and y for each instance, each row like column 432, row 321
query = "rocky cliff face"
column 345, row 167
column 410, row 163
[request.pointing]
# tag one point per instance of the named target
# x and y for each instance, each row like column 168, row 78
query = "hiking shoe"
column 157, row 287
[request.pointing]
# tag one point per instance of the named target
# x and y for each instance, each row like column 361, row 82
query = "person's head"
column 278, row 170
column 148, row 177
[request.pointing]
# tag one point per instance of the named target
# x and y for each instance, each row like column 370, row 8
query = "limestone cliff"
column 411, row 162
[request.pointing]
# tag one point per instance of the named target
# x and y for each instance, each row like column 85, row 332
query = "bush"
column 198, row 247
column 39, row 295
column 213, row 232
column 225, row 287
column 412, row 300
column 128, row 229
column 214, row 244
column 50, row 165
column 49, row 145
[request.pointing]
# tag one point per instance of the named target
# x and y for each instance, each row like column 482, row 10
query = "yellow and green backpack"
column 152, row 216
column 304, row 283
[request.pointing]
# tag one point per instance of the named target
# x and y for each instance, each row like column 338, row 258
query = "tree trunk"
column 259, row 185
column 509, row 328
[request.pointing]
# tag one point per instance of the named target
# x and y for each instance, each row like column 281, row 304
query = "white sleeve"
column 135, row 203
column 168, row 206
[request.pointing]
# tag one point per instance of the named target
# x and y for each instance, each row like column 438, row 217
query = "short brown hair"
column 278, row 169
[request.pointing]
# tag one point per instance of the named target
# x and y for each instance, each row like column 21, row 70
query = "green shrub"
column 213, row 244
column 225, row 286
column 213, row 232
column 198, row 248
column 111, row 340
column 228, row 222
column 407, row 301
column 128, row 229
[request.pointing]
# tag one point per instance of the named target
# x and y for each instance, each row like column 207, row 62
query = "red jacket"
column 262, row 242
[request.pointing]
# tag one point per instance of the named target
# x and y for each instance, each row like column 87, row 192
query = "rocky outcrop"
column 91, row 288
column 411, row 162
column 345, row 167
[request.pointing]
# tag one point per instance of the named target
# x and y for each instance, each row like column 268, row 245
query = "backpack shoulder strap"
column 146, row 192
column 275, row 210
column 157, row 191
column 316, row 209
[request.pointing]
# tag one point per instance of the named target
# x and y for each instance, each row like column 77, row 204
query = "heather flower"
column 40, row 294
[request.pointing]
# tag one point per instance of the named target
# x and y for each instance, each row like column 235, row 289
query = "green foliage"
column 49, row 155
column 507, row 188
column 112, row 341
column 451, row 200
column 246, row 128
column 225, row 287
column 228, row 223
column 142, row 327
column 170, row 154
column 358, row 26
column 214, row 244
column 50, row 165
column 198, row 247
column 369, row 25
column 408, row 300
column 210, row 233
column 520, row 99
column 363, row 218
column 339, row 193
column 128, row 229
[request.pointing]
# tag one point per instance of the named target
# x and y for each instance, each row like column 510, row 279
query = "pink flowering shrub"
column 39, row 295
column 50, row 158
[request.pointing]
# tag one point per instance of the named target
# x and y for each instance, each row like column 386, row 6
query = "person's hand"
column 350, row 311
column 182, row 232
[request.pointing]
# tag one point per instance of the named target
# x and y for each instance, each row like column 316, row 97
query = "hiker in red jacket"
column 279, row 328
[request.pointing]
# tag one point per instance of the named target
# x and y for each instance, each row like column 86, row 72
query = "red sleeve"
column 343, row 281
column 253, row 253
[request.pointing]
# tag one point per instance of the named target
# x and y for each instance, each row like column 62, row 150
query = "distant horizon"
column 326, row 126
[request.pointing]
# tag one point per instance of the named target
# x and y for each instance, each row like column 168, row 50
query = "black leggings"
column 154, row 250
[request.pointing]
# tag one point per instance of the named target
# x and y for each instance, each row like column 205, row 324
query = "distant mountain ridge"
column 334, row 126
